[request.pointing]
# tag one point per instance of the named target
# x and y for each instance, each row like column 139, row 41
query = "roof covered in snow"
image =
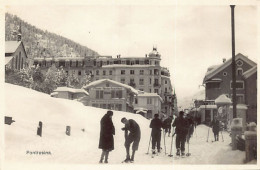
column 72, row 90
column 250, row 72
column 219, row 68
column 223, row 99
column 144, row 94
column 94, row 83
column 7, row 59
column 11, row 46
column 208, row 107
column 240, row 106
column 125, row 66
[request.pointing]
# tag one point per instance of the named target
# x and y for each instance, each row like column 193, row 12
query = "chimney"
column 19, row 35
column 224, row 60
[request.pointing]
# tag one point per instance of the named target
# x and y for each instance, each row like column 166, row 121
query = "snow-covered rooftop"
column 7, row 59
column 11, row 46
column 72, row 90
column 144, row 94
column 126, row 66
column 216, row 69
column 223, row 99
column 250, row 72
column 94, row 83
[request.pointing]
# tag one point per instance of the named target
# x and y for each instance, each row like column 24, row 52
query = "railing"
column 156, row 85
column 132, row 85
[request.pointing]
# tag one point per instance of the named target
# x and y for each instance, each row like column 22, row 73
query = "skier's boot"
column 127, row 159
column 153, row 151
column 159, row 149
column 178, row 152
column 132, row 157
column 182, row 153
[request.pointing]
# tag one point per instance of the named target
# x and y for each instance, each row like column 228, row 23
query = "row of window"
column 239, row 72
column 123, row 72
column 216, row 85
column 141, row 81
column 112, row 94
column 108, row 106
column 76, row 63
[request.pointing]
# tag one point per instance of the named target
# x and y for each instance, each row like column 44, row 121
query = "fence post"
column 39, row 129
column 9, row 120
column 68, row 130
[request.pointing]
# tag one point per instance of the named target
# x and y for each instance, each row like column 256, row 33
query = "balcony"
column 132, row 84
column 156, row 85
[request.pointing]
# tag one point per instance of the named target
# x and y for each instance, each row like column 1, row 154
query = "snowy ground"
column 28, row 107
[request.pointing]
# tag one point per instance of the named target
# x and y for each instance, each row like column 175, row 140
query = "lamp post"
column 233, row 62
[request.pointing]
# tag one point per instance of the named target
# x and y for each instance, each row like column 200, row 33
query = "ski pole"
column 196, row 132
column 164, row 142
column 222, row 136
column 149, row 144
column 171, row 146
column 188, row 154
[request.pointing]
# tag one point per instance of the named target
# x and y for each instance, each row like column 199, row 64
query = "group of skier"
column 184, row 127
column 183, row 124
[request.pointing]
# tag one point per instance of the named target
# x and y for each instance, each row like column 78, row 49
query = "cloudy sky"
column 190, row 38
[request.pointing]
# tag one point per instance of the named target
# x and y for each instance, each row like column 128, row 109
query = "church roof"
column 11, row 46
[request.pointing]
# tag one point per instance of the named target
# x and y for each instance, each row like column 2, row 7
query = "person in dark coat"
column 181, row 131
column 215, row 127
column 167, row 125
column 191, row 127
column 133, row 137
column 106, row 139
column 156, row 125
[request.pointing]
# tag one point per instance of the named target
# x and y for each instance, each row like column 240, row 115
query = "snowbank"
column 28, row 107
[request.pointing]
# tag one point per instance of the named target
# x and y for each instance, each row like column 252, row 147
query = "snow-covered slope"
column 28, row 107
column 187, row 102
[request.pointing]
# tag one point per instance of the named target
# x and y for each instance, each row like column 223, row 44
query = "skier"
column 156, row 125
column 167, row 125
column 133, row 137
column 191, row 127
column 181, row 131
column 106, row 140
column 215, row 127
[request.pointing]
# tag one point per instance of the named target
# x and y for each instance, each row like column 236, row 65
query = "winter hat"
column 123, row 119
column 181, row 113
column 110, row 113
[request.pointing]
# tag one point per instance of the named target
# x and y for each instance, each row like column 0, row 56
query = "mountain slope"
column 39, row 43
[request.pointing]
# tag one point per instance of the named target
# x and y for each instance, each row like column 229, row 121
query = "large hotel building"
column 142, row 73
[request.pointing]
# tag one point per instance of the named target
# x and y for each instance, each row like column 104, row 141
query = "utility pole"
column 233, row 62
